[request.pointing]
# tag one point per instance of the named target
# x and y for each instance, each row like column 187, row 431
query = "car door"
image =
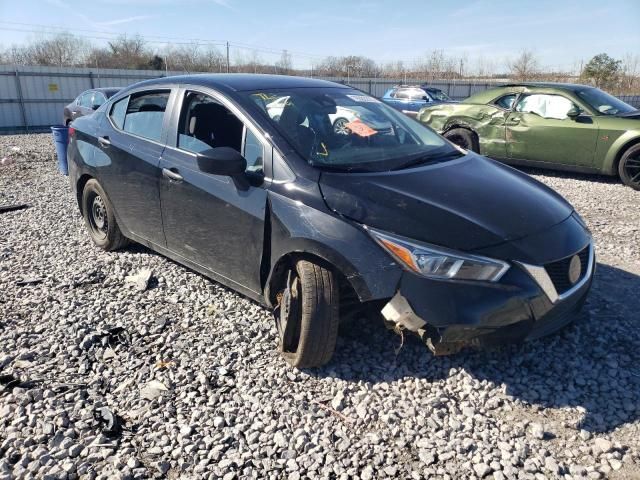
column 215, row 221
column 540, row 130
column 131, row 141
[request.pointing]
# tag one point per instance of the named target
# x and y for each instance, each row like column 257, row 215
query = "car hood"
column 468, row 203
column 635, row 115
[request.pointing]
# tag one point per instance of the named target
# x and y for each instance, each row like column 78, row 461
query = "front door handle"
column 104, row 141
column 171, row 175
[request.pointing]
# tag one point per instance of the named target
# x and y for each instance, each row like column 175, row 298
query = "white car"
column 339, row 120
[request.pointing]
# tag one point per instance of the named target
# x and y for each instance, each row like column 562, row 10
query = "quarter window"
column 253, row 152
column 118, row 111
column 145, row 113
column 547, row 106
column 506, row 102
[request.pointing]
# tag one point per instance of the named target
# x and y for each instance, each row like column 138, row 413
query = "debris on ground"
column 153, row 390
column 140, row 280
column 29, row 281
column 13, row 208
column 110, row 423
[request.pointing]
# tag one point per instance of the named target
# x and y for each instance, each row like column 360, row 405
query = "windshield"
column 438, row 94
column 345, row 129
column 603, row 102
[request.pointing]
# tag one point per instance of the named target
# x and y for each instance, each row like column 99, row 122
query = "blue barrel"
column 61, row 139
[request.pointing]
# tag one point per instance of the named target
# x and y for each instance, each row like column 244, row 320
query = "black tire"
column 464, row 138
column 629, row 167
column 99, row 218
column 307, row 315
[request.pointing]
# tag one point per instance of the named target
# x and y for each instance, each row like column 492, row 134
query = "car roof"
column 564, row 86
column 107, row 89
column 242, row 81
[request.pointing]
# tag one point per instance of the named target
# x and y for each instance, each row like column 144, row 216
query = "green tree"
column 603, row 71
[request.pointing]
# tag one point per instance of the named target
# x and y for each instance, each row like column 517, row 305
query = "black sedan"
column 445, row 243
column 86, row 103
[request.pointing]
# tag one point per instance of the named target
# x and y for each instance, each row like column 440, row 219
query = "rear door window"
column 97, row 100
column 145, row 114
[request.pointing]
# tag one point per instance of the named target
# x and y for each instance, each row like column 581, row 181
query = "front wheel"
column 99, row 217
column 340, row 126
column 307, row 315
column 464, row 138
column 629, row 167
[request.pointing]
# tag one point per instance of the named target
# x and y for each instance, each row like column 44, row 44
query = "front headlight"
column 440, row 263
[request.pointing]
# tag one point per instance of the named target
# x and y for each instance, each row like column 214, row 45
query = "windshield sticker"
column 363, row 98
column 360, row 128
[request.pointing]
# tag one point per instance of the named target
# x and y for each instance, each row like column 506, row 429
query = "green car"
column 551, row 125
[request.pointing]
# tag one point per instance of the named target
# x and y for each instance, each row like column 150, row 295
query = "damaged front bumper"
column 449, row 316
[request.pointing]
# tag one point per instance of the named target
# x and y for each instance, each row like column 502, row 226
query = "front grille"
column 559, row 271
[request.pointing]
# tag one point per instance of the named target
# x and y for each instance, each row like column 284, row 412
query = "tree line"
column 66, row 50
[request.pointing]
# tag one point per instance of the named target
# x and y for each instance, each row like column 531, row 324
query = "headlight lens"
column 440, row 263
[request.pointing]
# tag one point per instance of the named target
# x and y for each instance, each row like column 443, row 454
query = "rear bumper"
column 451, row 315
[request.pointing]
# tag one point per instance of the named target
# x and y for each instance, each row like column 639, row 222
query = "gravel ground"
column 190, row 386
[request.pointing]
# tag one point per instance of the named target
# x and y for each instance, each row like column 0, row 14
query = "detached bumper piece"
column 537, row 309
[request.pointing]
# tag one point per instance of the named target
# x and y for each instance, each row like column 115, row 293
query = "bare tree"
column 283, row 65
column 63, row 50
column 631, row 72
column 524, row 67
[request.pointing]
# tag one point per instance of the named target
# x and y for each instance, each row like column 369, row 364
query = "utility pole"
column 227, row 57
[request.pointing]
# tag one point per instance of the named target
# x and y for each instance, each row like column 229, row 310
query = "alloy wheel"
column 340, row 126
column 632, row 169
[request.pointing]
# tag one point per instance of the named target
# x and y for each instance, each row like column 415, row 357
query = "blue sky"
column 561, row 33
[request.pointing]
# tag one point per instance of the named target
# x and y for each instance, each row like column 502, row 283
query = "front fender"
column 297, row 228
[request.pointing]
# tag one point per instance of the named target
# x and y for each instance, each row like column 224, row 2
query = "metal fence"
column 32, row 98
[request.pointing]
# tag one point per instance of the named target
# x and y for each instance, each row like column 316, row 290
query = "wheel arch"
column 294, row 231
column 82, row 181
column 612, row 161
column 347, row 278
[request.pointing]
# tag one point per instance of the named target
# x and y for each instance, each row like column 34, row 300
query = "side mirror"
column 574, row 112
column 426, row 99
column 221, row 161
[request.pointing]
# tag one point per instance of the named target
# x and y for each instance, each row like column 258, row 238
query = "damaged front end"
column 449, row 316
column 400, row 317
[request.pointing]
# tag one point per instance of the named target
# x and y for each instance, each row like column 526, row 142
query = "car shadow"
column 592, row 363
column 588, row 177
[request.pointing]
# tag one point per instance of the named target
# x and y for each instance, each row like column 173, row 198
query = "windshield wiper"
column 429, row 158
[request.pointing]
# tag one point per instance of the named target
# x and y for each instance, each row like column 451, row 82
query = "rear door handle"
column 104, row 141
column 171, row 175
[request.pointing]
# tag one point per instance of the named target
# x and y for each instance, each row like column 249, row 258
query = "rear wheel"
column 307, row 315
column 99, row 218
column 629, row 167
column 464, row 138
